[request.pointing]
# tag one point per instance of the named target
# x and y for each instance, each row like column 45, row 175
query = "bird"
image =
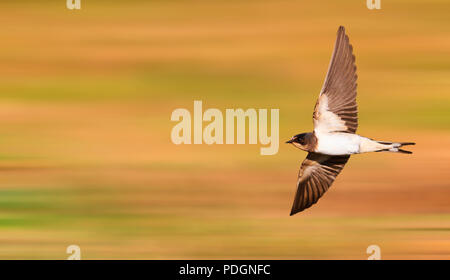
column 334, row 138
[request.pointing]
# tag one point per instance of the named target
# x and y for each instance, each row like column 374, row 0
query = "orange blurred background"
column 86, row 157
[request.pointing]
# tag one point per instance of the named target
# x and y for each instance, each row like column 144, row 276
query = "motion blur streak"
column 86, row 156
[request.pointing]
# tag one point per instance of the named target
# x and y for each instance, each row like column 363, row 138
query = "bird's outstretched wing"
column 315, row 177
column 336, row 108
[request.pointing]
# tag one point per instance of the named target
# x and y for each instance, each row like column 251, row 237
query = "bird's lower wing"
column 315, row 177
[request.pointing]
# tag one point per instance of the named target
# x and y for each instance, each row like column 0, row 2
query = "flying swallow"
column 334, row 137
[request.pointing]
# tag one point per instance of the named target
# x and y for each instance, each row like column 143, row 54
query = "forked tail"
column 395, row 147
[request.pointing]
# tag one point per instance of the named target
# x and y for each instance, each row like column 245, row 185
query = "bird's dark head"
column 300, row 141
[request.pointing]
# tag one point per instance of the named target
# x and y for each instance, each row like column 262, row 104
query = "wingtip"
column 341, row 33
column 293, row 212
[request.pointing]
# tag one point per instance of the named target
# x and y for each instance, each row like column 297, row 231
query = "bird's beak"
column 290, row 141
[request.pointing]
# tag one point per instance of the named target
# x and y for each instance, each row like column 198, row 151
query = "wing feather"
column 316, row 175
column 336, row 109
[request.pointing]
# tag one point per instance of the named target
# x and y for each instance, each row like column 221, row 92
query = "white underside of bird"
column 340, row 143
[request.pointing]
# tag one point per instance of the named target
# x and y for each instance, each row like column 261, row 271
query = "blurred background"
column 86, row 157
